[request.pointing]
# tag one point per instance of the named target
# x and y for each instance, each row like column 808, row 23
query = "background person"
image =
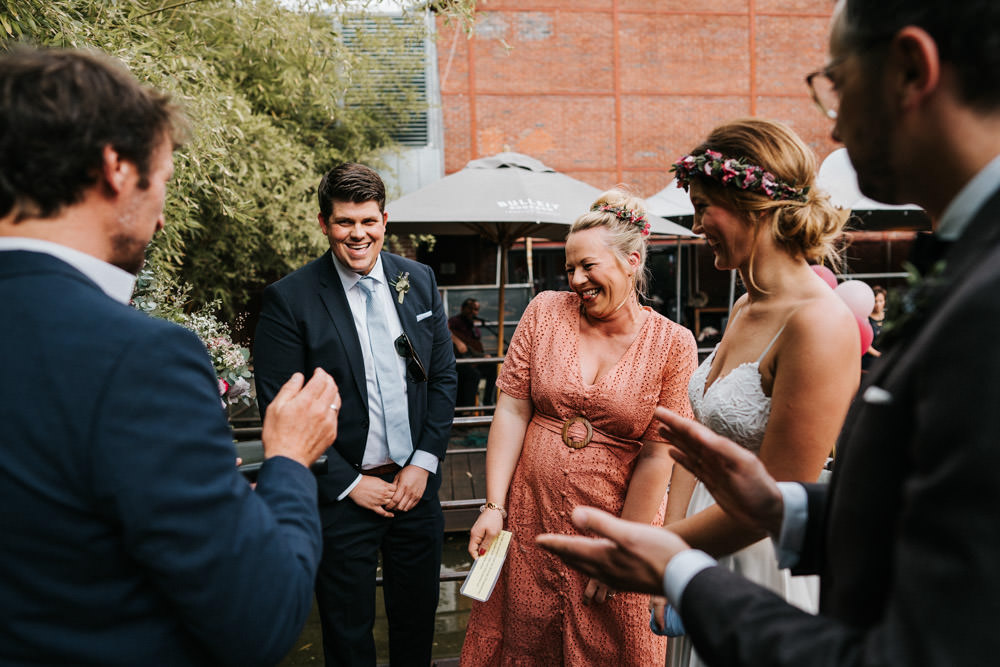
column 876, row 320
column 467, row 339
column 129, row 536
column 375, row 321
column 588, row 359
column 905, row 534
column 780, row 381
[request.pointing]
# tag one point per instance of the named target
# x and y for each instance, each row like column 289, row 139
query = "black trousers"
column 410, row 544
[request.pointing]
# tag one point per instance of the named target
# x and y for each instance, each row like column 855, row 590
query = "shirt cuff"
column 425, row 460
column 681, row 570
column 788, row 545
column 350, row 488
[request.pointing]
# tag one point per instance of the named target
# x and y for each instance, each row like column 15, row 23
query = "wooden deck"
column 463, row 473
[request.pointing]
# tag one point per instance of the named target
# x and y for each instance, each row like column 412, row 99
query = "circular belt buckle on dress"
column 577, row 444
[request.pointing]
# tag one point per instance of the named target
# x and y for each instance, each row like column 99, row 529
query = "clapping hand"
column 734, row 476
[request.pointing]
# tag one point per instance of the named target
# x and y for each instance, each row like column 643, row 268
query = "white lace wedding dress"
column 735, row 406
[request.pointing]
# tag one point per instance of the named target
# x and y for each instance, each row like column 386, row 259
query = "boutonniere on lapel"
column 402, row 285
column 914, row 304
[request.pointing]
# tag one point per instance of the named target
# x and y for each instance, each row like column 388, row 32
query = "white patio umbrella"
column 837, row 177
column 670, row 202
column 502, row 198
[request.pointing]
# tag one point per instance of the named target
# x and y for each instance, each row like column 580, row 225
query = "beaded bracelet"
column 493, row 506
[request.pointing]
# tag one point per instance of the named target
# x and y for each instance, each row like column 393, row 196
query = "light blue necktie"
column 390, row 382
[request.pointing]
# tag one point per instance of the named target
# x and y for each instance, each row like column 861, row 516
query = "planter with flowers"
column 161, row 296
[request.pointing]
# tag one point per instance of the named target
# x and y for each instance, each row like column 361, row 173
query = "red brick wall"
column 613, row 91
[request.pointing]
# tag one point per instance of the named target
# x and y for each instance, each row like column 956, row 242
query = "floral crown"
column 625, row 215
column 735, row 172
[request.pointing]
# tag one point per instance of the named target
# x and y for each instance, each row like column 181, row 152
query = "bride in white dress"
column 781, row 380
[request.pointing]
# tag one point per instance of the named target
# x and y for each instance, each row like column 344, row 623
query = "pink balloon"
column 867, row 335
column 858, row 296
column 826, row 274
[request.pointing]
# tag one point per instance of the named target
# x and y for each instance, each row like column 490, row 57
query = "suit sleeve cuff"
column 425, row 460
column 349, row 488
column 681, row 570
column 788, row 545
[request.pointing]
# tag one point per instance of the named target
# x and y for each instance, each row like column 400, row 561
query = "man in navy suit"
column 906, row 538
column 129, row 537
column 376, row 323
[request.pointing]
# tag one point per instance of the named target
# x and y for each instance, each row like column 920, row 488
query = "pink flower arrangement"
column 735, row 172
column 625, row 215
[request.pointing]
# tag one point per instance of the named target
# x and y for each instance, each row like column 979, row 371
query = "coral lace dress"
column 536, row 615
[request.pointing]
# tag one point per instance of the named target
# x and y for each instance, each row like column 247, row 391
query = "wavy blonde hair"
column 811, row 228
column 624, row 237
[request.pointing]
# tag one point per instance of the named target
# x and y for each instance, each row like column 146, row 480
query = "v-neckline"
column 598, row 380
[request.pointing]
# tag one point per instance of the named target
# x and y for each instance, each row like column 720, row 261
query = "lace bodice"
column 734, row 406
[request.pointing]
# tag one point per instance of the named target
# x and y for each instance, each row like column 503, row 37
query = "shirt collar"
column 350, row 278
column 969, row 200
column 113, row 281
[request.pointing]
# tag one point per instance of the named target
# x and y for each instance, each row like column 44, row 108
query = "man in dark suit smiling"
column 129, row 537
column 375, row 322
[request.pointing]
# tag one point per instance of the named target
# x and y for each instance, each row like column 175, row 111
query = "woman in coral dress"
column 574, row 426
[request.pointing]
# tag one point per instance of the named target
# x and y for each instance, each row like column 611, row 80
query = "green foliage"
column 274, row 98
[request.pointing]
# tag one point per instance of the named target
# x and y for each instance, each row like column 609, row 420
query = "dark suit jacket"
column 128, row 536
column 306, row 323
column 907, row 537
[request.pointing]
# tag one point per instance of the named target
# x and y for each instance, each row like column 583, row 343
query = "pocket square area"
column 877, row 396
column 423, row 316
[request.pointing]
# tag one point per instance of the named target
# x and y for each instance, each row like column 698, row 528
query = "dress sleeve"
column 515, row 374
column 680, row 364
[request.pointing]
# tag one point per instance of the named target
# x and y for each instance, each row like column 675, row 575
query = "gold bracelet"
column 493, row 506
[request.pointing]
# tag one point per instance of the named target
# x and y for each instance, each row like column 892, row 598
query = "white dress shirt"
column 377, row 447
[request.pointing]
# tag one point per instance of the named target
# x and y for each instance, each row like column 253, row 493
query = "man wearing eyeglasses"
column 906, row 538
column 375, row 322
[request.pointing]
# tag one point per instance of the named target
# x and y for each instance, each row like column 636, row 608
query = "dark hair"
column 967, row 34
column 469, row 303
column 59, row 109
column 878, row 289
column 353, row 182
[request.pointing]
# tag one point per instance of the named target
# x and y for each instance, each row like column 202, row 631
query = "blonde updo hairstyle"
column 809, row 228
column 624, row 237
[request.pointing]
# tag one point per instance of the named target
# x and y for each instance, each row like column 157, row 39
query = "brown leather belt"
column 625, row 448
column 387, row 469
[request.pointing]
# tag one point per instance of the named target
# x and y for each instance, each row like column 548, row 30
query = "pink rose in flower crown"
column 767, row 183
column 729, row 170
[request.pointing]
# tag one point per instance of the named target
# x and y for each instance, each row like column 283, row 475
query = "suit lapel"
column 405, row 310
column 982, row 234
column 331, row 293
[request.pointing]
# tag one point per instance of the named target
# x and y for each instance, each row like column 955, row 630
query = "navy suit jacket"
column 906, row 539
column 306, row 323
column 128, row 537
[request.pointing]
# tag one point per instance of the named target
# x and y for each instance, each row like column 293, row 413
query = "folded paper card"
column 485, row 570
